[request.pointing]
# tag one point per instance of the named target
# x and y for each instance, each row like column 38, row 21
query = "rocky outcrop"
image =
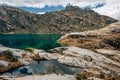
column 12, row 58
column 4, row 63
column 93, row 39
column 40, row 77
column 96, row 51
column 94, row 62
column 110, row 29
column 48, row 77
column 72, row 19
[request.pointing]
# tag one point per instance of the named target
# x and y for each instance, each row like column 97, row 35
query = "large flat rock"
column 47, row 77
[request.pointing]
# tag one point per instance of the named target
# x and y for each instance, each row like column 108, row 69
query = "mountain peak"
column 72, row 8
column 72, row 19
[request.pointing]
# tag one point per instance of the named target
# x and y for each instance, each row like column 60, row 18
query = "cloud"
column 41, row 13
column 42, row 3
column 111, row 7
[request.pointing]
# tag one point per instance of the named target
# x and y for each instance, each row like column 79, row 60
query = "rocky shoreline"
column 92, row 51
column 94, row 63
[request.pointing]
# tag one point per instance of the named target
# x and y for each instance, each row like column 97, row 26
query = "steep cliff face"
column 71, row 19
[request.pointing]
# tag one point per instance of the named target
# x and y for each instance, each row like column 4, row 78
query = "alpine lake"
column 38, row 41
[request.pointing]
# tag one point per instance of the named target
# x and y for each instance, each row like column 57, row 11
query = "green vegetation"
column 102, row 76
column 115, row 42
column 30, row 49
column 79, row 76
column 62, row 53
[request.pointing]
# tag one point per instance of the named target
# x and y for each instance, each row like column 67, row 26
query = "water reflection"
column 43, row 67
column 40, row 41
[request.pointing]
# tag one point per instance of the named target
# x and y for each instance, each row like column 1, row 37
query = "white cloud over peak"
column 42, row 3
column 111, row 7
column 41, row 13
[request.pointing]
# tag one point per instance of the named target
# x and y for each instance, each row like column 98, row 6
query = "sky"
column 105, row 7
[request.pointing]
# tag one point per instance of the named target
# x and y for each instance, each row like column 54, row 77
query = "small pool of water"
column 43, row 67
column 22, row 41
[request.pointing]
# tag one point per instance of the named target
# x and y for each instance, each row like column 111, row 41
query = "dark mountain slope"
column 72, row 19
column 12, row 19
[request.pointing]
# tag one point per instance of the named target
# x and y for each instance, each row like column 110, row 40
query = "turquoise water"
column 40, row 41
column 22, row 41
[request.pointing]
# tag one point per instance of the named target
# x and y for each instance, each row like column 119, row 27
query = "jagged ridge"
column 71, row 19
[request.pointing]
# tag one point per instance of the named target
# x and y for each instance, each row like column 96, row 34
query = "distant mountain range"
column 71, row 19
